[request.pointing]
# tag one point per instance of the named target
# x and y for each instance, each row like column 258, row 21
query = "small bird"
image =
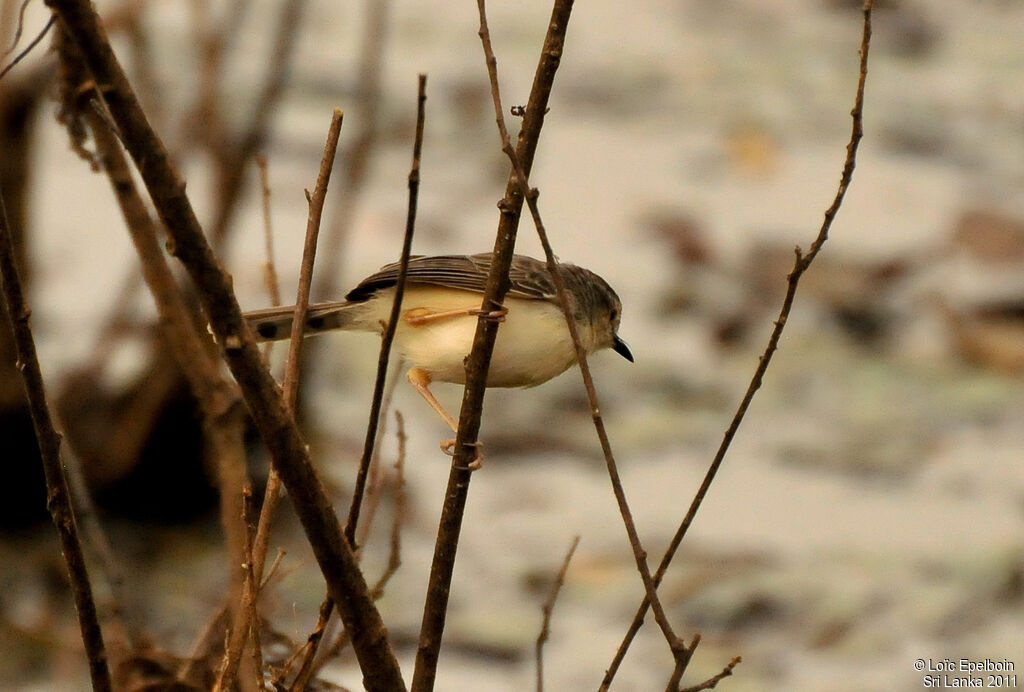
column 440, row 307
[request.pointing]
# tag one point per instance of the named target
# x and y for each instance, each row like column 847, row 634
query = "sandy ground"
column 869, row 513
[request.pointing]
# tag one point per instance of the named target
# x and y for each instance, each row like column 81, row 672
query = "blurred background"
column 871, row 509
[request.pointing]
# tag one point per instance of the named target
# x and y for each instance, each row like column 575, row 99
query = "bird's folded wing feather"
column 530, row 278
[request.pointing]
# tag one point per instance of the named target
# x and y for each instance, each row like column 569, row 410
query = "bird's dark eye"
column 613, row 315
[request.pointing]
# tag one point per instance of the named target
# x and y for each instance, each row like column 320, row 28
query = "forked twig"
column 712, row 682
column 58, row 498
column 801, row 264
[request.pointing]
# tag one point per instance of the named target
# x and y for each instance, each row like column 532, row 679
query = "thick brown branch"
column 276, row 425
column 479, row 359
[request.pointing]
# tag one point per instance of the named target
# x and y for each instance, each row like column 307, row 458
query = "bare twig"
column 316, row 210
column 547, row 609
column 217, row 398
column 272, row 418
column 249, row 603
column 7, row 21
column 28, row 49
column 309, row 649
column 272, row 491
column 58, row 499
column 396, row 311
column 801, row 264
column 478, row 361
column 712, row 682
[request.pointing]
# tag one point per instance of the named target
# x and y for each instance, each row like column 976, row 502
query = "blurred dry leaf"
column 990, row 236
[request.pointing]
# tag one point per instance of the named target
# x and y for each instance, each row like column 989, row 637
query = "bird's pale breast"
column 533, row 342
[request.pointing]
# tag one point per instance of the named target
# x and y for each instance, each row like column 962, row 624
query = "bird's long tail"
column 274, row 324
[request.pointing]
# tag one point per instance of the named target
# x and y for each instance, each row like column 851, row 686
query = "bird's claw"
column 448, row 447
column 494, row 315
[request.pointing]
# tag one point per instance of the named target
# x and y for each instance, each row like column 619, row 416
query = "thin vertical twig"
column 801, row 263
column 547, row 609
column 287, row 447
column 396, row 310
column 478, row 362
column 373, row 489
column 316, row 211
column 251, row 590
column 58, row 498
column 122, row 630
column 309, row 649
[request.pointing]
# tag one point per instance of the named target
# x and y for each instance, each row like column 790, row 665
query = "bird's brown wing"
column 530, row 278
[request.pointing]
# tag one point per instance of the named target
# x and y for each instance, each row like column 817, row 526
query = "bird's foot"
column 494, row 315
column 448, row 447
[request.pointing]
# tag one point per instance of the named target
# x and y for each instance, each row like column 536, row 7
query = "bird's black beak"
column 620, row 347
